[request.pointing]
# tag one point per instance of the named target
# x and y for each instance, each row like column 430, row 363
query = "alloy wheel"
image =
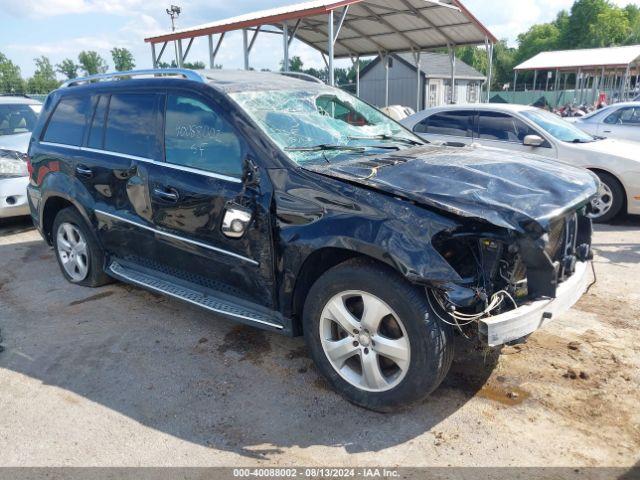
column 72, row 251
column 365, row 341
column 603, row 202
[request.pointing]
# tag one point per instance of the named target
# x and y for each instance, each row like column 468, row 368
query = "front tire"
column 79, row 255
column 374, row 337
column 610, row 200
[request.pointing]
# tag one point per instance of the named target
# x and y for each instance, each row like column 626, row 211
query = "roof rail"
column 302, row 76
column 167, row 72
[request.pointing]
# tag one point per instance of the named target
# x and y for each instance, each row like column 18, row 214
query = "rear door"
column 192, row 193
column 452, row 126
column 124, row 135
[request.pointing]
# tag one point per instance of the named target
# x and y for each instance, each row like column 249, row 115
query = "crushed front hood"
column 508, row 189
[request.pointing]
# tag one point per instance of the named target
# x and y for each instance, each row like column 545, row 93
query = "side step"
column 209, row 302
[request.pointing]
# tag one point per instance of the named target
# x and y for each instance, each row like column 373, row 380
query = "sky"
column 62, row 28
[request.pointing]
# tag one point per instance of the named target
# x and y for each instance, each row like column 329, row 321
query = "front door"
column 624, row 123
column 197, row 192
column 502, row 130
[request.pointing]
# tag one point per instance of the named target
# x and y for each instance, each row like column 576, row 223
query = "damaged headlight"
column 13, row 164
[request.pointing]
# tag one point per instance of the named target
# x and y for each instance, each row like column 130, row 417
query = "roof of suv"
column 11, row 100
column 246, row 81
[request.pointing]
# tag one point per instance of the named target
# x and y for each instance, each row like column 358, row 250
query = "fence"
column 555, row 99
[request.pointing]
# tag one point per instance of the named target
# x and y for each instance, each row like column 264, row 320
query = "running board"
column 186, row 294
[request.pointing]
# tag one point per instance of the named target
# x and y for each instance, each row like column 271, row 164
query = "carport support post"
column 180, row 54
column 358, row 76
column 417, row 58
column 490, row 47
column 245, row 48
column 153, row 55
column 556, row 87
column 535, row 80
column 330, row 35
column 285, row 37
column 515, row 81
column 452, row 58
column 386, row 80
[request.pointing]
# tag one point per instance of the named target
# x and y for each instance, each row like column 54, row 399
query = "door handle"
column 83, row 171
column 168, row 194
column 607, row 131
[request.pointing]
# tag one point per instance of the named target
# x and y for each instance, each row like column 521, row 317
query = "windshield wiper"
column 326, row 148
column 580, row 140
column 393, row 138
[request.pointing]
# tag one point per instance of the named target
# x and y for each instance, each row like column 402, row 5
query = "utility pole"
column 174, row 12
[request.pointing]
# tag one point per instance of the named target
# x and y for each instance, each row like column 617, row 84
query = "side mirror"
column 533, row 141
column 250, row 173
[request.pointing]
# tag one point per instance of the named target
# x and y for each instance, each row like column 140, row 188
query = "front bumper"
column 13, row 197
column 517, row 324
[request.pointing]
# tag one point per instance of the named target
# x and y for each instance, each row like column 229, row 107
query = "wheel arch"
column 315, row 265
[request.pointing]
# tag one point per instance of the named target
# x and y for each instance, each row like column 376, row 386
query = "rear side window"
column 96, row 134
column 196, row 136
column 457, row 123
column 502, row 127
column 131, row 124
column 624, row 116
column 66, row 125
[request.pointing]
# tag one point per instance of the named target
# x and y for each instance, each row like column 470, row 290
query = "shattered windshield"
column 325, row 125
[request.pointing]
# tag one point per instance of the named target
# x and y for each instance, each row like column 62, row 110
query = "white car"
column 18, row 117
column 531, row 130
column 621, row 121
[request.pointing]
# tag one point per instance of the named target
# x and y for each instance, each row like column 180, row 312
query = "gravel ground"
column 121, row 377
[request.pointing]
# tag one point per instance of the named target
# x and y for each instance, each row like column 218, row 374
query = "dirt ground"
column 122, row 377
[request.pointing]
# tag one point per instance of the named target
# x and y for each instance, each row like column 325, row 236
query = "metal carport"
column 595, row 69
column 345, row 29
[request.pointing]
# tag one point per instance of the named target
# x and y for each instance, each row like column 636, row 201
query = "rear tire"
column 610, row 199
column 79, row 255
column 412, row 349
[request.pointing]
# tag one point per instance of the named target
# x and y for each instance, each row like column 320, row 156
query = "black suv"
column 295, row 207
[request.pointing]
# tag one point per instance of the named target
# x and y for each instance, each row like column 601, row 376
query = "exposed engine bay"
column 503, row 270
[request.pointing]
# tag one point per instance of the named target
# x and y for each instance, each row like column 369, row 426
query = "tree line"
column 45, row 79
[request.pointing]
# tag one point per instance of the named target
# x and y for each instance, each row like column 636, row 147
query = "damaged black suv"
column 295, row 207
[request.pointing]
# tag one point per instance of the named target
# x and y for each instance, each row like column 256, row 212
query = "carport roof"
column 370, row 27
column 588, row 58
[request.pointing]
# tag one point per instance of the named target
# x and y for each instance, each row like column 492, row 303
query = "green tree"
column 68, row 68
column 92, row 63
column 197, row 65
column 539, row 38
column 611, row 28
column 44, row 79
column 633, row 15
column 10, row 79
column 584, row 14
column 122, row 59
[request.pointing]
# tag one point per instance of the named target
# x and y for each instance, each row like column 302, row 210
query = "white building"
column 435, row 81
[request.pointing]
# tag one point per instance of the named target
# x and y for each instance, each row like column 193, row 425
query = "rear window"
column 458, row 124
column 131, row 126
column 16, row 119
column 67, row 123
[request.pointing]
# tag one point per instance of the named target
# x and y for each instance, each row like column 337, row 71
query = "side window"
column 131, row 124
column 630, row 116
column 96, row 134
column 458, row 123
column 197, row 137
column 502, row 127
column 66, row 125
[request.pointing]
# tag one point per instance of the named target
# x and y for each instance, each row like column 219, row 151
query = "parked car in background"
column 398, row 112
column 527, row 129
column 620, row 121
column 295, row 207
column 18, row 116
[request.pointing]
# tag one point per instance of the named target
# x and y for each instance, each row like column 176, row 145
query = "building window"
column 472, row 93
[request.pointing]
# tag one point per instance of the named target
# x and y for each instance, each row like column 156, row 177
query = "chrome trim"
column 61, row 145
column 147, row 160
column 184, row 299
column 176, row 237
column 175, row 72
